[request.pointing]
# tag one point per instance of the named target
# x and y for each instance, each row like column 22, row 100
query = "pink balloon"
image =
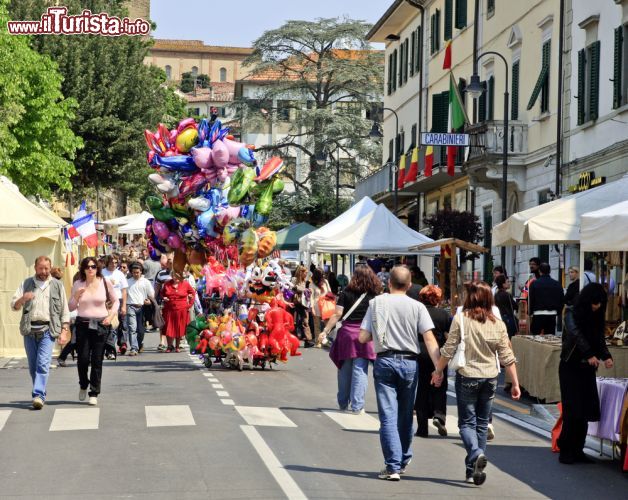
column 233, row 147
column 202, row 157
column 174, row 241
column 160, row 229
column 183, row 124
column 220, row 154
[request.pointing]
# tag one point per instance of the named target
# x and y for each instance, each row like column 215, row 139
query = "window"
column 394, row 73
column 194, row 71
column 490, row 98
column 223, row 74
column 222, row 111
column 391, row 75
column 401, row 139
column 195, row 111
column 413, row 137
column 588, row 82
column 487, row 219
column 460, row 200
column 435, row 32
column 514, row 92
column 391, row 151
column 401, row 61
column 375, row 112
column 543, row 250
column 620, row 68
column 285, row 110
column 490, row 8
column 447, row 30
column 419, row 50
column 412, row 53
column 349, row 108
column 440, row 115
column 461, row 14
column 405, row 60
column 168, row 69
column 482, row 103
column 542, row 83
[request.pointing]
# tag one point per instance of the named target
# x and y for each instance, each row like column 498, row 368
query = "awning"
column 137, row 225
column 288, row 237
column 605, row 229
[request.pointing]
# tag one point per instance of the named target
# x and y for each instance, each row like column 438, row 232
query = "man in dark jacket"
column 546, row 301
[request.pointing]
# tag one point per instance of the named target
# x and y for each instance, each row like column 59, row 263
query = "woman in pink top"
column 90, row 295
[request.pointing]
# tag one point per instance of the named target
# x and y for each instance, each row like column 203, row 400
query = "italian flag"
column 401, row 179
column 414, row 166
column 457, row 119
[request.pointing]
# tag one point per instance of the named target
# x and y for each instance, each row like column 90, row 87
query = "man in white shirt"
column 120, row 286
column 139, row 293
column 45, row 317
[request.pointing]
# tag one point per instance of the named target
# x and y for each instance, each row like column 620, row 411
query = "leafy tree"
column 325, row 81
column 36, row 143
column 118, row 96
column 455, row 224
column 189, row 82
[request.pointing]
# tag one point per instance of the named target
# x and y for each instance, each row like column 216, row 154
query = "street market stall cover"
column 341, row 223
column 378, row 232
column 288, row 238
column 606, row 229
column 137, row 225
column 557, row 221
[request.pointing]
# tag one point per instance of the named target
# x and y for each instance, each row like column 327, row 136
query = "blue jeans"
column 353, row 379
column 134, row 327
column 39, row 354
column 396, row 380
column 474, row 397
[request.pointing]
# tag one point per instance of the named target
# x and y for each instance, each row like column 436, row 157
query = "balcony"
column 376, row 185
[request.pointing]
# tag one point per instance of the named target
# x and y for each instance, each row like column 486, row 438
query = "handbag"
column 115, row 322
column 459, row 360
column 158, row 318
column 332, row 335
column 327, row 306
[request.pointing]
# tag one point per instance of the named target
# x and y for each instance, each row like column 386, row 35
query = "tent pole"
column 581, row 264
column 453, row 278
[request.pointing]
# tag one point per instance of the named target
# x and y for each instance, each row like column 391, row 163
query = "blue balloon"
column 206, row 223
column 177, row 163
column 246, row 155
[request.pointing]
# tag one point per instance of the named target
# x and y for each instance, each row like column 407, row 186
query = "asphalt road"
column 168, row 428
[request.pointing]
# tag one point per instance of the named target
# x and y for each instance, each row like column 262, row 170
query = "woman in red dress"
column 178, row 296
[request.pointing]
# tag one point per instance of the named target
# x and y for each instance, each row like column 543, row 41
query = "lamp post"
column 475, row 90
column 376, row 133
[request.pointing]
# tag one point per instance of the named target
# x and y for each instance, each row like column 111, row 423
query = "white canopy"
column 606, row 229
column 120, row 221
column 137, row 225
column 378, row 232
column 558, row 221
column 341, row 223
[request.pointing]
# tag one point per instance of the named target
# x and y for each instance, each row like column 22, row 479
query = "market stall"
column 136, row 224
column 288, row 238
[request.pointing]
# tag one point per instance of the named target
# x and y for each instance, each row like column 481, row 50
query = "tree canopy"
column 118, row 96
column 324, row 80
column 455, row 224
column 36, row 143
column 189, row 82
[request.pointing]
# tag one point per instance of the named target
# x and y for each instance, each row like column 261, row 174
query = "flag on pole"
column 401, row 179
column 429, row 161
column 414, row 166
column 447, row 60
column 457, row 119
column 84, row 225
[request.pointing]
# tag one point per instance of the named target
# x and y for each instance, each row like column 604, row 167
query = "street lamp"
column 376, row 133
column 475, row 90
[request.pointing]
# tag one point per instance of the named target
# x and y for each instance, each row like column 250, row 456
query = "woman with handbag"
column 320, row 289
column 302, row 306
column 477, row 343
column 348, row 354
column 583, row 350
column 96, row 303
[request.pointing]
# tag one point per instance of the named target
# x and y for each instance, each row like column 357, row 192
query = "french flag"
column 84, row 225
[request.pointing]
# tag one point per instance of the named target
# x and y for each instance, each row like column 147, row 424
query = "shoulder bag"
column 459, row 360
column 332, row 335
column 115, row 322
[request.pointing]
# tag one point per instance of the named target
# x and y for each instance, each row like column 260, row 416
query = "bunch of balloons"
column 214, row 198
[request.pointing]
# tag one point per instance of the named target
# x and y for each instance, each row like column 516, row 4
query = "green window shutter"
column 419, row 48
column 514, row 93
column 617, row 67
column 491, row 98
column 538, row 86
column 444, row 102
column 461, row 14
column 437, row 113
column 412, row 52
column 581, row 97
column 390, row 73
column 482, row 104
column 448, row 18
column 594, row 81
column 545, row 95
column 405, row 62
column 394, row 75
column 437, row 27
column 432, row 34
column 413, row 138
column 400, row 68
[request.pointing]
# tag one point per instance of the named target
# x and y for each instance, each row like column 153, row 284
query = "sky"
column 237, row 23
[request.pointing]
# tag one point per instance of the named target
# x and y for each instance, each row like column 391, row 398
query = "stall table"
column 537, row 365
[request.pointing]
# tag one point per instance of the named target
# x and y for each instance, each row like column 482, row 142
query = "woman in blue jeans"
column 348, row 354
column 486, row 340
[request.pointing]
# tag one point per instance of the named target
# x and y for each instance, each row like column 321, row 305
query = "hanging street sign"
column 438, row 139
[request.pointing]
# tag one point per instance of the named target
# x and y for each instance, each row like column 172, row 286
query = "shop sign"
column 436, row 139
column 587, row 180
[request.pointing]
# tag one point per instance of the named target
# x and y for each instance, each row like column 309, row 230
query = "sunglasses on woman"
column 91, row 266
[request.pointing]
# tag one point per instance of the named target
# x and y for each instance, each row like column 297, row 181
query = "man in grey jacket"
column 45, row 317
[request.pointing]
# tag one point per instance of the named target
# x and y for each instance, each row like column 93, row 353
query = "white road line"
column 222, row 394
column 284, row 480
column 169, row 416
column 271, row 417
column 217, row 386
column 75, row 419
column 4, row 416
column 228, row 402
column 354, row 422
column 208, row 375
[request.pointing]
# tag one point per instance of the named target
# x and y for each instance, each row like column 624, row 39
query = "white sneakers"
column 490, row 433
column 82, row 394
column 38, row 403
column 93, row 401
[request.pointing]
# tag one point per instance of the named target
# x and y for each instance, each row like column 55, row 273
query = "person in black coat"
column 583, row 349
column 431, row 401
column 574, row 287
column 506, row 305
column 546, row 300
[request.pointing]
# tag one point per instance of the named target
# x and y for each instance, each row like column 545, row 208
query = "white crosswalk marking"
column 217, row 386
column 257, row 415
column 208, row 374
column 222, row 394
column 169, row 416
column 228, row 402
column 75, row 419
column 354, row 422
column 4, row 416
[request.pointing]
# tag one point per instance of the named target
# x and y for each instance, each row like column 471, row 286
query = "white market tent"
column 340, row 223
column 137, row 225
column 26, row 232
column 558, row 221
column 378, row 232
column 606, row 229
column 120, row 221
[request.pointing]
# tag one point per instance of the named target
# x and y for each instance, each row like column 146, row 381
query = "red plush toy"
column 280, row 324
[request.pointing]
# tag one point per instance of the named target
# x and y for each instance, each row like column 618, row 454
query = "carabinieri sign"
column 438, row 139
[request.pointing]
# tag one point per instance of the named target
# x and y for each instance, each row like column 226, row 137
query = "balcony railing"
column 377, row 183
column 487, row 138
